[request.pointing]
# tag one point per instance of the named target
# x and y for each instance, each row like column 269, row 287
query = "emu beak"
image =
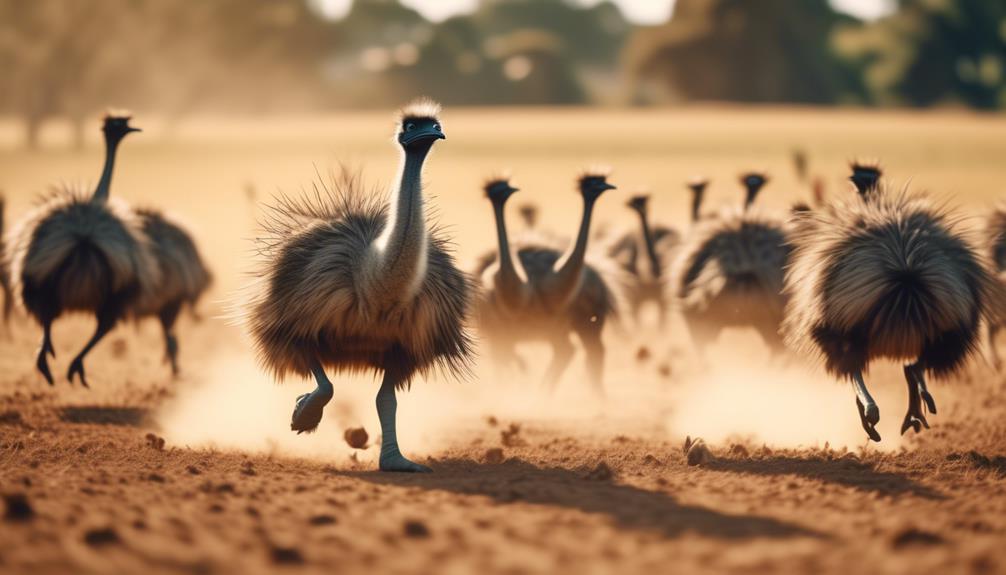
column 132, row 129
column 422, row 135
column 608, row 186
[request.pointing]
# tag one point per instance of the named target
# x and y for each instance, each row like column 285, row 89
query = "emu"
column 648, row 282
column 351, row 284
column 543, row 294
column 80, row 253
column 886, row 276
column 185, row 277
column 729, row 272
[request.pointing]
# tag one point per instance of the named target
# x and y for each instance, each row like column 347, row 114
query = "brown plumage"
column 729, row 272
column 79, row 252
column 184, row 276
column 351, row 284
column 528, row 298
column 887, row 275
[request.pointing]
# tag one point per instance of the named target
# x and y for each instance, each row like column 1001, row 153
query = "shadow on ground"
column 847, row 472
column 105, row 415
column 631, row 507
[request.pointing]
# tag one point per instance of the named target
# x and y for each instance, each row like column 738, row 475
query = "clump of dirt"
column 492, row 421
column 248, row 468
column 154, row 441
column 415, row 529
column 602, row 472
column 318, row 520
column 286, row 555
column 511, row 436
column 494, row 456
column 356, row 437
column 739, row 451
column 17, row 507
column 914, row 536
column 11, row 417
column 101, row 536
column 696, row 451
column 643, row 354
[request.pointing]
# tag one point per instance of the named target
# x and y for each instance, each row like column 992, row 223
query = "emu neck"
column 696, row 205
column 105, row 183
column 752, row 194
column 567, row 277
column 402, row 245
column 651, row 248
column 509, row 284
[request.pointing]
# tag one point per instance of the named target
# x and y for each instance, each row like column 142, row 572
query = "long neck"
column 510, row 284
column 651, row 248
column 752, row 193
column 402, row 245
column 105, row 183
column 696, row 204
column 567, row 277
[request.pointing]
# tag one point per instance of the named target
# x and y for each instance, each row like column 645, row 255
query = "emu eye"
column 436, row 127
column 409, row 127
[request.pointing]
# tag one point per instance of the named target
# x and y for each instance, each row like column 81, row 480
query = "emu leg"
column 168, row 315
column 387, row 410
column 594, row 348
column 869, row 413
column 993, row 329
column 307, row 413
column 105, row 324
column 562, row 355
column 917, row 394
column 41, row 362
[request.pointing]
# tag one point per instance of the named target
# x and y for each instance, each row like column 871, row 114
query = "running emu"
column 648, row 282
column 184, row 276
column 543, row 294
column 729, row 272
column 351, row 285
column 80, row 253
column 887, row 275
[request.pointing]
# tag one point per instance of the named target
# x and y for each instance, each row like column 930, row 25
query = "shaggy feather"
column 419, row 109
column 310, row 302
column 892, row 277
column 75, row 254
column 184, row 275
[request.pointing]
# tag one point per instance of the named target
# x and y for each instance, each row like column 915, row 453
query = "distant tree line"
column 69, row 59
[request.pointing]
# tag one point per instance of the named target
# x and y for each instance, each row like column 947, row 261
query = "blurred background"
column 67, row 60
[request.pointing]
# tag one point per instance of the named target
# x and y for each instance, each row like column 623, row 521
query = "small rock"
column 356, row 437
column 511, row 436
column 602, row 472
column 155, row 442
column 322, row 520
column 415, row 529
column 193, row 470
column 17, row 507
column 101, row 536
column 494, row 456
column 282, row 555
column 913, row 536
column 155, row 478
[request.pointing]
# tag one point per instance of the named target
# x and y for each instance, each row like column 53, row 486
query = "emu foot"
column 308, row 411
column 77, row 368
column 393, row 460
column 870, row 416
column 42, row 363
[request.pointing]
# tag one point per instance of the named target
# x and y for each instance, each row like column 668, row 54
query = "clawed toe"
column 77, row 368
column 930, row 402
column 308, row 411
column 398, row 463
column 915, row 422
column 869, row 416
column 42, row 364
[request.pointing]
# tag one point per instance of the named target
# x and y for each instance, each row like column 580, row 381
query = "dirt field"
column 143, row 473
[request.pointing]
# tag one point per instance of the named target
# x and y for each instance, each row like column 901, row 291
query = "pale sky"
column 638, row 11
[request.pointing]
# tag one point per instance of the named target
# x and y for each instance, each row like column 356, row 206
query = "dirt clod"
column 356, row 437
column 155, row 442
column 101, row 536
column 284, row 555
column 415, row 529
column 914, row 536
column 511, row 436
column 696, row 452
column 643, row 353
column 322, row 520
column 601, row 472
column 494, row 456
column 17, row 507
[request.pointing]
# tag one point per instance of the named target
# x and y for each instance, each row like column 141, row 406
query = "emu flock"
column 350, row 281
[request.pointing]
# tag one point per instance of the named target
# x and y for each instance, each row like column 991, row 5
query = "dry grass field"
column 143, row 473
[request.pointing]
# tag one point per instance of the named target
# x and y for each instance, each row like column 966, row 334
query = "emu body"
column 886, row 276
column 545, row 295
column 184, row 276
column 80, row 253
column 350, row 284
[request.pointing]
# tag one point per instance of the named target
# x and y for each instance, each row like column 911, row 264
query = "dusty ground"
column 146, row 474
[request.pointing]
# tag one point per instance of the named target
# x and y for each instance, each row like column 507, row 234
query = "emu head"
column 499, row 190
column 638, row 203
column 866, row 177
column 116, row 126
column 419, row 126
column 593, row 182
column 753, row 182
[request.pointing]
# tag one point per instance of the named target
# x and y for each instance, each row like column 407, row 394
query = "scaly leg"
column 562, row 355
column 918, row 395
column 105, row 325
column 594, row 348
column 168, row 315
column 387, row 409
column 869, row 413
column 41, row 362
column 310, row 406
